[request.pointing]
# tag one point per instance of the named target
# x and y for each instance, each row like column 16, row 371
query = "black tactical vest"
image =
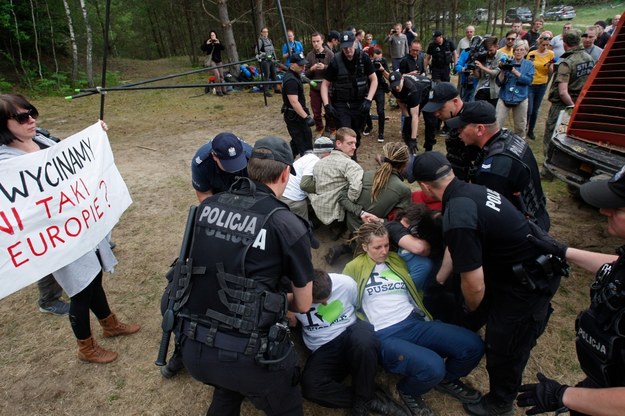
column 511, row 145
column 600, row 329
column 350, row 87
column 218, row 293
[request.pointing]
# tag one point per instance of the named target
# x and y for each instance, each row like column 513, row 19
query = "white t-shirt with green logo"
column 324, row 322
column 386, row 300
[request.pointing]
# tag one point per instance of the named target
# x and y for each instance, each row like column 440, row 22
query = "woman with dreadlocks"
column 383, row 190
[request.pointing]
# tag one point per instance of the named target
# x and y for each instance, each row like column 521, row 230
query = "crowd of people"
column 429, row 269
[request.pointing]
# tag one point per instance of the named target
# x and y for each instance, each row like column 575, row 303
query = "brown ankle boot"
column 90, row 351
column 112, row 327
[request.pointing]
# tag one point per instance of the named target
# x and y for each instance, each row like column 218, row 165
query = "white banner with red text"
column 56, row 205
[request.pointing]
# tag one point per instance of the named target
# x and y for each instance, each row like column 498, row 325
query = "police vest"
column 580, row 66
column 350, row 87
column 216, row 291
column 512, row 146
column 600, row 329
column 420, row 85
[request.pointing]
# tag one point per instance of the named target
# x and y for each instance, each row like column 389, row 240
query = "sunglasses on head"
column 22, row 118
column 546, row 38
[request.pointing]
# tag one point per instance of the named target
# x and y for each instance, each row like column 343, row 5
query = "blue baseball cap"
column 228, row 148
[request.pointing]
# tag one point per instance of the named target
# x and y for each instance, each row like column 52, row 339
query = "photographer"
column 514, row 79
column 319, row 59
column 382, row 73
column 465, row 67
column 398, row 45
column 487, row 70
column 213, row 49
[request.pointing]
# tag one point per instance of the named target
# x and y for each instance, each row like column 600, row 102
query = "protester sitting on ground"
column 331, row 175
column 428, row 354
column 293, row 195
column 216, row 164
column 81, row 279
column 341, row 345
column 383, row 190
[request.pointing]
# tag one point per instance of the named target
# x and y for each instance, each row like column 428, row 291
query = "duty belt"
column 219, row 339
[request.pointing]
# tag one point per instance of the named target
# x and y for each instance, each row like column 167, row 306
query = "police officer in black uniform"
column 507, row 282
column 231, row 321
column 348, row 86
column 296, row 115
column 445, row 102
column 505, row 162
column 412, row 92
column 600, row 328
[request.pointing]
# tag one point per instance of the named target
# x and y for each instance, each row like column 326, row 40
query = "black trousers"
column 301, row 136
column 348, row 114
column 430, row 122
column 355, row 353
column 379, row 99
column 510, row 337
column 237, row 376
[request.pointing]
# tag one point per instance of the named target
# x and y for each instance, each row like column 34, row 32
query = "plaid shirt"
column 333, row 174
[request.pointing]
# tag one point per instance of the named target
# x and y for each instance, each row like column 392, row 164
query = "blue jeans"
column 426, row 352
column 535, row 98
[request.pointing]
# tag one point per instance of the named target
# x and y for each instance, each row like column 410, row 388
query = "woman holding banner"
column 81, row 279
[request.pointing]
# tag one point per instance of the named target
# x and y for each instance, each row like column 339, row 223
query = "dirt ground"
column 154, row 135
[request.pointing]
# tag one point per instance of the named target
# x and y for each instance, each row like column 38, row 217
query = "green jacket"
column 360, row 269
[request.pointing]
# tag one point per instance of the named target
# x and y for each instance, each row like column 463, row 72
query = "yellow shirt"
column 541, row 76
column 507, row 51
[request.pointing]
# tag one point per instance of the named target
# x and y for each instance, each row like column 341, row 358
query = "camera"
column 320, row 56
column 477, row 52
column 508, row 64
column 393, row 31
column 377, row 63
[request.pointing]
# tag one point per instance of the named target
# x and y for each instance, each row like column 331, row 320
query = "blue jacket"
column 515, row 90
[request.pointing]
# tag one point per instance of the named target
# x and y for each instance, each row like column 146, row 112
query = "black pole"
column 286, row 36
column 164, row 87
column 89, row 91
column 262, row 75
column 107, row 22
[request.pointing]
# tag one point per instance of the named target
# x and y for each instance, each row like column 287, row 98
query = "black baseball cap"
column 347, row 39
column 430, row 166
column 298, row 58
column 605, row 193
column 334, row 35
column 437, row 33
column 279, row 150
column 477, row 112
column 439, row 95
column 228, row 148
column 395, row 79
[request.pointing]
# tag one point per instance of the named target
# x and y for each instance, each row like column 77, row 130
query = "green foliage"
column 5, row 86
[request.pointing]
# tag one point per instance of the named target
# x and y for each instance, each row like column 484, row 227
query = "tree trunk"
column 89, row 50
column 230, row 43
column 19, row 45
column 36, row 38
column 72, row 39
column 260, row 15
column 53, row 47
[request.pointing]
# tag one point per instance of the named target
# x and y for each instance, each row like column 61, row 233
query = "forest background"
column 49, row 46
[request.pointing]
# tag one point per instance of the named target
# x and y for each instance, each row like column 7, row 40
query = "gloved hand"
column 309, row 121
column 365, row 106
column 330, row 110
column 412, row 146
column 546, row 243
column 545, row 396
